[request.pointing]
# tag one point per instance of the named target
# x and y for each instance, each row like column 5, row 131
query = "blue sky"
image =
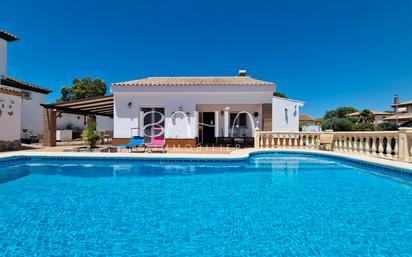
column 326, row 53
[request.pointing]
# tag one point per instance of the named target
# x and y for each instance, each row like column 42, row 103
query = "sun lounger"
column 325, row 141
column 135, row 141
column 157, row 142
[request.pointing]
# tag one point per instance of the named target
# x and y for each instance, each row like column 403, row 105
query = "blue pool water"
column 269, row 205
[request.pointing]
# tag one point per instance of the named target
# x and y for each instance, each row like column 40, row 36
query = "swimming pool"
column 272, row 204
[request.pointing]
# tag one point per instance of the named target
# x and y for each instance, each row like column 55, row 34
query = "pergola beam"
column 100, row 99
column 74, row 111
column 97, row 108
column 86, row 105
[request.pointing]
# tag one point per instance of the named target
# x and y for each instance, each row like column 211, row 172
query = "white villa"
column 200, row 109
column 32, row 95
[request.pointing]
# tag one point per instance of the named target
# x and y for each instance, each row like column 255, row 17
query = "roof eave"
column 7, row 36
column 15, row 84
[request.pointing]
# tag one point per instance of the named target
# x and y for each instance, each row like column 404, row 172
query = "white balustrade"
column 383, row 144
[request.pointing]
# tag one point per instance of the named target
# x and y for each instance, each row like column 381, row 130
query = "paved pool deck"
column 203, row 153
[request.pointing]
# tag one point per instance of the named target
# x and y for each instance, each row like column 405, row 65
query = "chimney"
column 242, row 73
column 395, row 106
column 396, row 99
column 4, row 39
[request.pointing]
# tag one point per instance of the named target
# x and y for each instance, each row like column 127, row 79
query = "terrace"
column 391, row 145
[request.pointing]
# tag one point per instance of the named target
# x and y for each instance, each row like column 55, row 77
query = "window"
column 241, row 120
column 26, row 96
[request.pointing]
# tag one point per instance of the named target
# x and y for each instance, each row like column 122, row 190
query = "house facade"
column 32, row 95
column 199, row 110
column 402, row 112
column 10, row 118
column 308, row 123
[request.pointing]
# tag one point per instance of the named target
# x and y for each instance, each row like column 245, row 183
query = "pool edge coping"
column 242, row 154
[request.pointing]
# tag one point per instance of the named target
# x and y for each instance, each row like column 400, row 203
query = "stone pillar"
column 404, row 144
column 266, row 117
column 257, row 138
column 217, row 123
column 49, row 127
column 141, row 124
column 226, row 123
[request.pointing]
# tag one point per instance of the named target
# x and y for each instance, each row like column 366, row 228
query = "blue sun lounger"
column 135, row 141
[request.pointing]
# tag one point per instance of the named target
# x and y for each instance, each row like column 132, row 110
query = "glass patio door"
column 153, row 118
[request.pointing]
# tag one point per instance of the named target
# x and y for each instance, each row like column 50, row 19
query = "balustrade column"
column 380, row 148
column 307, row 141
column 363, row 145
column 374, row 146
column 296, row 143
column 395, row 148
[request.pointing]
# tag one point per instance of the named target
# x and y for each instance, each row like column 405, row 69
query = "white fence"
column 385, row 144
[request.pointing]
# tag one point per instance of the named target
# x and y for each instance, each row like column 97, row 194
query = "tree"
column 366, row 116
column 279, row 94
column 387, row 126
column 341, row 112
column 320, row 121
column 363, row 126
column 338, row 124
column 82, row 89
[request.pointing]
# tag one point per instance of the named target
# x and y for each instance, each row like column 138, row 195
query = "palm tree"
column 90, row 135
column 366, row 116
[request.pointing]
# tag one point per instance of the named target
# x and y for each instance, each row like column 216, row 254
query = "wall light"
column 129, row 105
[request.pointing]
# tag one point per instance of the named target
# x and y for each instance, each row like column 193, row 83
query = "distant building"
column 309, row 124
column 10, row 118
column 402, row 112
column 378, row 116
column 32, row 95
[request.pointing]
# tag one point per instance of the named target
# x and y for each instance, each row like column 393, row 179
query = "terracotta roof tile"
column 407, row 103
column 196, row 81
column 10, row 91
column 400, row 116
column 15, row 83
column 306, row 117
column 373, row 113
column 7, row 36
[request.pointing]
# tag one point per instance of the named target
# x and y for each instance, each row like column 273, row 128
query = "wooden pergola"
column 102, row 106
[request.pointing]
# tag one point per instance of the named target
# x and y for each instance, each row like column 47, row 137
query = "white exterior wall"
column 10, row 124
column 380, row 118
column 311, row 128
column 3, row 57
column 173, row 97
column 71, row 121
column 285, row 114
column 104, row 123
column 32, row 113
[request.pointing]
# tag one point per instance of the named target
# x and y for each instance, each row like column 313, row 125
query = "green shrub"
column 338, row 124
column 363, row 126
column 90, row 135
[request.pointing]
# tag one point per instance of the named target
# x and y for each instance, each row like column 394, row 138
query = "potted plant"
column 90, row 135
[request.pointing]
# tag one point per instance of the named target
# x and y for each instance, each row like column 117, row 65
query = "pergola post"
column 91, row 118
column 266, row 117
column 49, row 127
